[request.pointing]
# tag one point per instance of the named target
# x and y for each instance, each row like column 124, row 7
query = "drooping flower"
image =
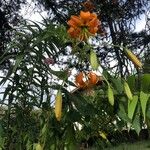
column 84, row 81
column 79, row 80
column 83, row 26
column 93, row 78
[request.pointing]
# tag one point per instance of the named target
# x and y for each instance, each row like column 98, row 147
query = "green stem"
column 104, row 78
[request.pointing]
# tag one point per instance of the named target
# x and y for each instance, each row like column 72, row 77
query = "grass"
column 142, row 145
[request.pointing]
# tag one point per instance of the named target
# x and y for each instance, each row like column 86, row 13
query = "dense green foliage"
column 27, row 119
column 29, row 108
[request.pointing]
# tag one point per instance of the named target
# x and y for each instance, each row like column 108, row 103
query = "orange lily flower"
column 93, row 78
column 83, row 26
column 84, row 81
column 79, row 80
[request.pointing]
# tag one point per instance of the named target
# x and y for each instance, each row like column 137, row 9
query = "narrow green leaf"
column 131, row 80
column 60, row 74
column 136, row 124
column 2, row 59
column 6, row 92
column 122, row 113
column 7, row 76
column 18, row 61
column 44, row 129
column 117, row 84
column 145, row 83
column 144, row 99
column 132, row 106
column 36, row 25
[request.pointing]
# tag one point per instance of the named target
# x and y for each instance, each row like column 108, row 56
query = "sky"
column 30, row 12
column 141, row 23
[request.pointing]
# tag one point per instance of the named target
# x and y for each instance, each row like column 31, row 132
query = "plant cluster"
column 41, row 113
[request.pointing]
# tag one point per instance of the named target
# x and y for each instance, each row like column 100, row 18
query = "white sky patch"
column 31, row 12
column 140, row 24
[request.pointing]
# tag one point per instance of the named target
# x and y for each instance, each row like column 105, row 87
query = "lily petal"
column 85, row 15
column 93, row 23
column 93, row 30
column 77, row 20
column 74, row 32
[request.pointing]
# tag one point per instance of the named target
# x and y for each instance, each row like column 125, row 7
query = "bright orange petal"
column 74, row 32
column 84, row 25
column 79, row 79
column 71, row 32
column 93, row 30
column 93, row 79
column 93, row 23
column 93, row 15
column 72, row 23
column 76, row 20
column 85, row 15
column 77, row 32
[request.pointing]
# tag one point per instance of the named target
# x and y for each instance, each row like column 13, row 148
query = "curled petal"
column 74, row 32
column 93, row 30
column 71, row 32
column 93, row 79
column 79, row 79
column 85, row 15
column 84, row 25
column 93, row 15
column 76, row 20
column 93, row 23
column 72, row 23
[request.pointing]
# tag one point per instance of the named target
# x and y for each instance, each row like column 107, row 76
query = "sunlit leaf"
column 144, row 97
column 117, row 84
column 131, row 82
column 39, row 147
column 122, row 113
column 132, row 106
column 137, row 121
column 19, row 58
column 145, row 83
